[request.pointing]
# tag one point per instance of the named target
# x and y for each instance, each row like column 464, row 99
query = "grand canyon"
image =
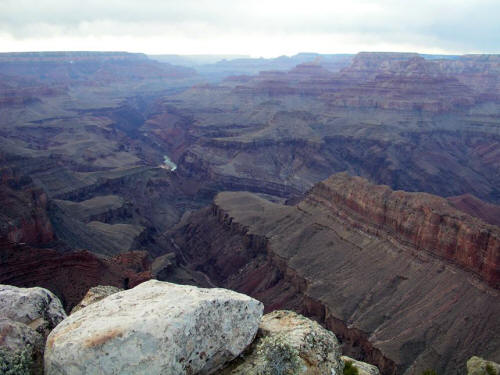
column 362, row 191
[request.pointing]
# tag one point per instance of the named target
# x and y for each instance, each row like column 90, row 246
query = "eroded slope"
column 392, row 302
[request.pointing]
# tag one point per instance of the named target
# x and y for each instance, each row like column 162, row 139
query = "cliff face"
column 421, row 221
column 69, row 275
column 23, row 213
column 389, row 301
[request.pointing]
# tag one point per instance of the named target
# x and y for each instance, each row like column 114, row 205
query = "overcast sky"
column 255, row 27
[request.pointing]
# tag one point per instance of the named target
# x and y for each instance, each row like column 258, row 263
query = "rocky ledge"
column 161, row 328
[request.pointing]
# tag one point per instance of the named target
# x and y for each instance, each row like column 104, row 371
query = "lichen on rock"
column 288, row 343
column 362, row 367
column 480, row 366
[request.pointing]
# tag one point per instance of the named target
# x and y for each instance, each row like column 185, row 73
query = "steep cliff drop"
column 69, row 275
column 406, row 281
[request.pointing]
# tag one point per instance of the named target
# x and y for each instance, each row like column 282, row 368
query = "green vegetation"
column 429, row 372
column 490, row 370
column 19, row 363
column 281, row 357
column 350, row 369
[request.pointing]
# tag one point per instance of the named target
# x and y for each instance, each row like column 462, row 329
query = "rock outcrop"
column 288, row 339
column 21, row 348
column 480, row 366
column 154, row 328
column 27, row 315
column 38, row 308
column 391, row 303
column 95, row 294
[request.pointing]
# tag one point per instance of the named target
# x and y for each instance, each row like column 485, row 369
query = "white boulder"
column 154, row 328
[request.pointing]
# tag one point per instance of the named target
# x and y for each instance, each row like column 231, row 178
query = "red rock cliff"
column 426, row 222
column 69, row 275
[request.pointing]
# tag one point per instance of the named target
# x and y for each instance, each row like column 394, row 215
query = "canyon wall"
column 71, row 274
column 391, row 303
column 421, row 221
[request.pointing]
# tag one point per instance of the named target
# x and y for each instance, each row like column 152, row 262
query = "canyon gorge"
column 362, row 191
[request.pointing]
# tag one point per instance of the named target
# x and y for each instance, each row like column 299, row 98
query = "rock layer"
column 421, row 221
column 70, row 275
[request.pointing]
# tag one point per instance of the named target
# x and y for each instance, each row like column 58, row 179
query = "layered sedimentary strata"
column 418, row 220
column 94, row 68
column 69, row 275
column 391, row 301
column 404, row 120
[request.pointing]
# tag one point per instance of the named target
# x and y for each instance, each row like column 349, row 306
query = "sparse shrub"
column 350, row 369
column 19, row 363
column 490, row 370
column 281, row 358
column 429, row 372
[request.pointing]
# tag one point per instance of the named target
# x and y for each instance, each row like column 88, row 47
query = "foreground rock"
column 363, row 367
column 154, row 328
column 480, row 366
column 21, row 348
column 94, row 295
column 38, row 308
column 27, row 315
column 290, row 342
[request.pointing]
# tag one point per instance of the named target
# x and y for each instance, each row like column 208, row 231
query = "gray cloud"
column 449, row 25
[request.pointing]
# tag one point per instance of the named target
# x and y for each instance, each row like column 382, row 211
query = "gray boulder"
column 27, row 315
column 154, row 328
column 38, row 308
column 21, row 348
column 289, row 343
